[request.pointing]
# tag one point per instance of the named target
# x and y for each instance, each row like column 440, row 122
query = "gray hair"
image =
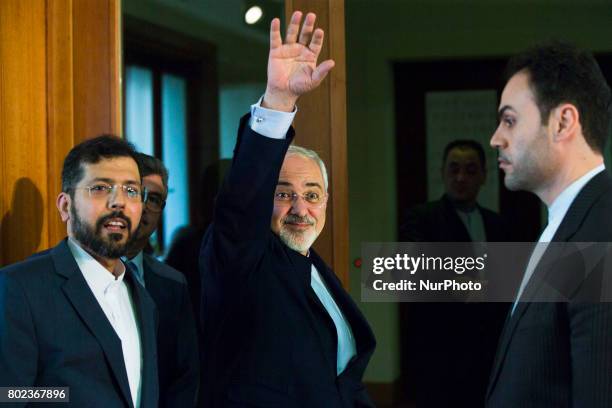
column 310, row 154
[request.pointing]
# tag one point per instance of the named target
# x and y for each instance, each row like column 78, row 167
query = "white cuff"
column 270, row 123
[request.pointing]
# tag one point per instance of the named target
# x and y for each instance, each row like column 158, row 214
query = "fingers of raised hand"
column 307, row 29
column 275, row 36
column 293, row 28
column 317, row 41
column 322, row 70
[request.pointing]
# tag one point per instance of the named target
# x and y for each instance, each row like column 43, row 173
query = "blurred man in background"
column 452, row 345
column 177, row 341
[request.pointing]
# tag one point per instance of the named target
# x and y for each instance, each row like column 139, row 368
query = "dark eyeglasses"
column 154, row 201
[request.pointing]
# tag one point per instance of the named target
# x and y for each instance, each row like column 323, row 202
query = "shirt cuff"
column 270, row 123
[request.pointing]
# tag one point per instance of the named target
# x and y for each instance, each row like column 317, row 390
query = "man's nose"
column 117, row 198
column 299, row 207
column 497, row 141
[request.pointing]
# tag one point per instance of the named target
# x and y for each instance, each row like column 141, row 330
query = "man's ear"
column 64, row 204
column 566, row 122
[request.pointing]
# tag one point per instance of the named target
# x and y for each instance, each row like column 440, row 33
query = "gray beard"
column 298, row 241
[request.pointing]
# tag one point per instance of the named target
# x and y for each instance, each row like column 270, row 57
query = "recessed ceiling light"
column 253, row 15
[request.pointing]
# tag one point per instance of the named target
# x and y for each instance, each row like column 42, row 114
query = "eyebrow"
column 314, row 184
column 308, row 184
column 111, row 181
column 153, row 193
column 503, row 110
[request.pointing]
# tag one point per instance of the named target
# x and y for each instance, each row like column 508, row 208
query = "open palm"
column 292, row 66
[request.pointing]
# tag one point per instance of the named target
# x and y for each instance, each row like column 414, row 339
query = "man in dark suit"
column 554, row 118
column 177, row 341
column 72, row 316
column 457, row 216
column 447, row 341
column 279, row 330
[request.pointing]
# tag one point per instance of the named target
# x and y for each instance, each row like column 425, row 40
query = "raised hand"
column 292, row 66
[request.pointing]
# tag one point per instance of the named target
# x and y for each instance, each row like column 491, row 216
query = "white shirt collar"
column 562, row 203
column 559, row 207
column 97, row 276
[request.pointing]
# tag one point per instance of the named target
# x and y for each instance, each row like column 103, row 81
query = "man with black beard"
column 71, row 316
column 92, row 236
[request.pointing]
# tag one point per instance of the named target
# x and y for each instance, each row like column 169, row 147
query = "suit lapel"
column 505, row 338
column 542, row 268
column 147, row 324
column 491, row 227
column 147, row 276
column 364, row 338
column 454, row 223
column 298, row 282
column 580, row 207
column 80, row 296
column 572, row 221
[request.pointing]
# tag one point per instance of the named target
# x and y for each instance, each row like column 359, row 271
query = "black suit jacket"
column 559, row 354
column 177, row 341
column 437, row 221
column 268, row 342
column 54, row 333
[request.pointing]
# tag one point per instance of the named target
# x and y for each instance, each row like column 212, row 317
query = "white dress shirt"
column 556, row 213
column 270, row 123
column 346, row 349
column 275, row 124
column 115, row 300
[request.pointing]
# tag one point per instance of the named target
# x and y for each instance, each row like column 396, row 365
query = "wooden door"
column 59, row 84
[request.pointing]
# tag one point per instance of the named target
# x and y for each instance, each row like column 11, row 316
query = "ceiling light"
column 253, row 15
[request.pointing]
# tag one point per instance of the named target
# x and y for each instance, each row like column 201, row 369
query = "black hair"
column 561, row 73
column 91, row 151
column 152, row 165
column 466, row 144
